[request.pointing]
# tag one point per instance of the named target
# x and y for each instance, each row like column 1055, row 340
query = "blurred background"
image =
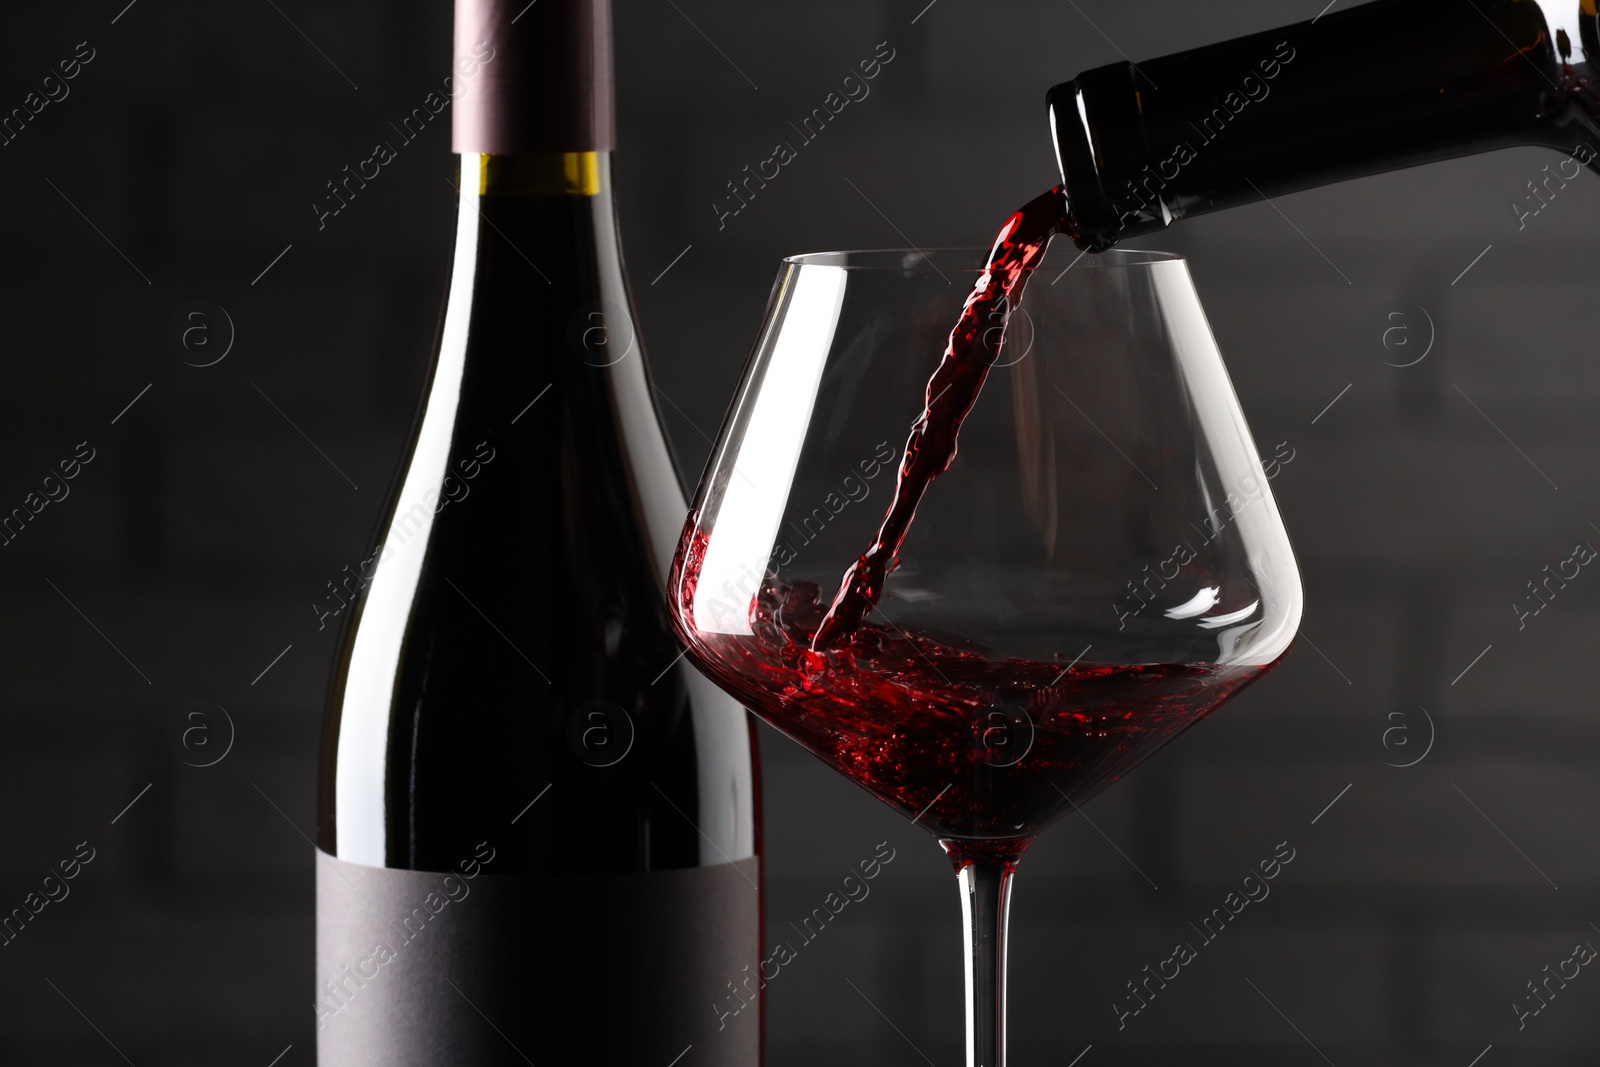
column 1442, row 427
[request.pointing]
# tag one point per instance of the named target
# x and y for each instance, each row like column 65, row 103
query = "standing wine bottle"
column 1356, row 91
column 538, row 829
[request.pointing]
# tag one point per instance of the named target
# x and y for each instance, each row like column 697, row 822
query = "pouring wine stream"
column 984, row 868
column 953, row 389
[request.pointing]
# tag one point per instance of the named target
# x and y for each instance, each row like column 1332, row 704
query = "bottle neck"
column 540, row 231
column 1379, row 87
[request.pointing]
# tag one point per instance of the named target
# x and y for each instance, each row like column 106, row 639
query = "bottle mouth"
column 971, row 260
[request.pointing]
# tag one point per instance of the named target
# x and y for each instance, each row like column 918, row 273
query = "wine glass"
column 1101, row 565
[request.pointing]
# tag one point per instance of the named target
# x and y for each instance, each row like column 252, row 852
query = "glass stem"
column 985, row 905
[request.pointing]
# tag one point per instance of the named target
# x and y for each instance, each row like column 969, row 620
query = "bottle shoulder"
column 511, row 635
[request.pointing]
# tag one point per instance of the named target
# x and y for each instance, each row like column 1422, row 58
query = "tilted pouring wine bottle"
column 1355, row 91
column 538, row 835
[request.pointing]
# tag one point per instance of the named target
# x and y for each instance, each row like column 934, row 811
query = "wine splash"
column 972, row 748
column 951, row 392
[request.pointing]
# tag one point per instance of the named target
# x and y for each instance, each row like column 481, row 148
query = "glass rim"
column 968, row 259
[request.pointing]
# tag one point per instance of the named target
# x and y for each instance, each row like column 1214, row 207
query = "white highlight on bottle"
column 363, row 753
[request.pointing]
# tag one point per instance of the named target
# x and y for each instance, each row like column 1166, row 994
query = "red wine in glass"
column 982, row 753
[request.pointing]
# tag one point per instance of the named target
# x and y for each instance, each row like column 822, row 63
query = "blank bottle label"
column 417, row 968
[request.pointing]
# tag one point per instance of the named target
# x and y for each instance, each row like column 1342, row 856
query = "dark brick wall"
column 185, row 557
